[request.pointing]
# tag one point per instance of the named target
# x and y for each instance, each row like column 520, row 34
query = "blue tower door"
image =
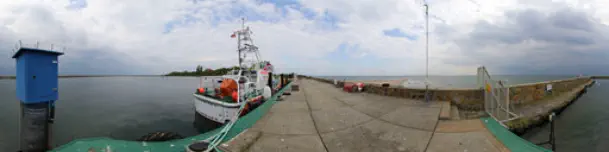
column 45, row 80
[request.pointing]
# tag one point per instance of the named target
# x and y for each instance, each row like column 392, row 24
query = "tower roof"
column 26, row 49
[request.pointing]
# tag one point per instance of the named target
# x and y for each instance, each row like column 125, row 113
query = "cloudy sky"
column 317, row 37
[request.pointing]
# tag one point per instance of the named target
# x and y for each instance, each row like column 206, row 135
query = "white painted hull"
column 215, row 110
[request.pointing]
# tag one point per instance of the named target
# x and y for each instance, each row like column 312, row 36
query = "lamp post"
column 427, row 96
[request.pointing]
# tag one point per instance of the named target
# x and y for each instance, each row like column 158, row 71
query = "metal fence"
column 497, row 102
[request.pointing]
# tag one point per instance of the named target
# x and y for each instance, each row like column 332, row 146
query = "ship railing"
column 242, row 86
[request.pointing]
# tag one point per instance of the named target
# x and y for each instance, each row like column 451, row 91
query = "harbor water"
column 117, row 107
column 130, row 107
column 582, row 126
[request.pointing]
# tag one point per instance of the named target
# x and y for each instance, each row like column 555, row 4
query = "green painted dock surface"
column 509, row 139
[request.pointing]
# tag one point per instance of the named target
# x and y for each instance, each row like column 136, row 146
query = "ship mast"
column 239, row 40
column 245, row 45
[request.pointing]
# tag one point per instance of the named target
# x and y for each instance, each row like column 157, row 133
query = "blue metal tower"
column 37, row 90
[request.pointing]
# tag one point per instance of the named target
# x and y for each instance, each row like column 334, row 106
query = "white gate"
column 496, row 97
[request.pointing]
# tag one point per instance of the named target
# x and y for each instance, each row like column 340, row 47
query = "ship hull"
column 215, row 110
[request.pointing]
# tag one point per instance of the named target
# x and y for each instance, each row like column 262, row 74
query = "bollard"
column 270, row 83
column 286, row 80
column 552, row 138
column 282, row 81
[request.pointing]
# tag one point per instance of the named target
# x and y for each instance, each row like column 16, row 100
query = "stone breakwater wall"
column 534, row 116
column 472, row 99
column 600, row 77
column 533, row 92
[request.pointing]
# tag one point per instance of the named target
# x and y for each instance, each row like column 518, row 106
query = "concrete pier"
column 321, row 117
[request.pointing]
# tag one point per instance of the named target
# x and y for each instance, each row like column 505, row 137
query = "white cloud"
column 131, row 32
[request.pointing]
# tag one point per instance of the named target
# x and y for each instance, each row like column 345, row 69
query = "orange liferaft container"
column 227, row 87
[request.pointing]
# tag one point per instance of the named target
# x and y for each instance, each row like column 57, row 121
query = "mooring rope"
column 217, row 138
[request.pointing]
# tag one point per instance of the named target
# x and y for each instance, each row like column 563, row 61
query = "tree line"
column 200, row 72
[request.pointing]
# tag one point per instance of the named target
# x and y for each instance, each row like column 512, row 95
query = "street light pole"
column 427, row 97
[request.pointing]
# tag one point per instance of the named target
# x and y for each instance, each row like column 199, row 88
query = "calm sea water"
column 454, row 81
column 130, row 107
column 583, row 126
column 118, row 107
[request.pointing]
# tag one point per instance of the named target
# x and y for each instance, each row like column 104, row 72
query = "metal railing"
column 39, row 45
column 497, row 102
column 243, row 88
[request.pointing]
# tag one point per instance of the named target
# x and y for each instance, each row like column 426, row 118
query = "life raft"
column 228, row 87
column 353, row 87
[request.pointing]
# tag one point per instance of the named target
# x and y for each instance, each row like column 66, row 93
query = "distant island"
column 7, row 77
column 200, row 72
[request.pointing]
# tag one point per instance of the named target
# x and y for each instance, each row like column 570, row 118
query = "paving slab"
column 354, row 100
column 296, row 96
column 338, row 119
column 445, row 111
column 378, row 108
column 260, row 124
column 377, row 97
column 243, row 141
column 287, row 143
column 405, row 101
column 289, row 105
column 324, row 102
column 415, row 117
column 454, row 113
column 290, row 123
column 456, row 126
column 430, row 104
column 469, row 141
column 344, row 94
column 376, row 136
